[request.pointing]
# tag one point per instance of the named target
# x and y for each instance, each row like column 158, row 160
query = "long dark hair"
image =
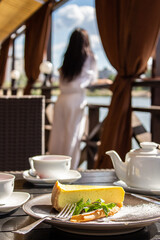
column 76, row 54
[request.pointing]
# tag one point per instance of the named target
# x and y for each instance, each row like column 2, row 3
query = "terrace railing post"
column 155, row 117
column 46, row 91
column 155, row 97
column 93, row 114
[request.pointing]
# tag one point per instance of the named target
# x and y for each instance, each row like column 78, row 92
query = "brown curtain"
column 128, row 30
column 37, row 35
column 3, row 58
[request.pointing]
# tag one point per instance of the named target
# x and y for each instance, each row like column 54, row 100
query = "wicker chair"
column 21, row 130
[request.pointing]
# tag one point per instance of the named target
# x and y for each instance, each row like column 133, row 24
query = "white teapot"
column 141, row 168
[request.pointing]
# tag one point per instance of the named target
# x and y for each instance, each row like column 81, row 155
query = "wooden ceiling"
column 14, row 12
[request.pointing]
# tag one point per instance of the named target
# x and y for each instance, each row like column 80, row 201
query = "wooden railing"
column 139, row 132
column 92, row 137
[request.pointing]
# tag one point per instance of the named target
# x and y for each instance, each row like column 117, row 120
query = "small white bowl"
column 6, row 186
column 50, row 166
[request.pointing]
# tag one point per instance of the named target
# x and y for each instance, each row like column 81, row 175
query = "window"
column 77, row 13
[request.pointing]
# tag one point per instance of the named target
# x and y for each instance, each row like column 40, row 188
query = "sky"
column 76, row 13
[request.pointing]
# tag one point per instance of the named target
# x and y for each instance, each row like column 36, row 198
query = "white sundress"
column 67, row 129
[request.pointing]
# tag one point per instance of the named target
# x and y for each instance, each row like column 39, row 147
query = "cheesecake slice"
column 63, row 194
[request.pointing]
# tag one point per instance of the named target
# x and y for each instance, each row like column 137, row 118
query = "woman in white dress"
column 77, row 72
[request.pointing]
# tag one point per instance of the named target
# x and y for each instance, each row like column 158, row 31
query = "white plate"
column 137, row 190
column 69, row 177
column 134, row 215
column 16, row 200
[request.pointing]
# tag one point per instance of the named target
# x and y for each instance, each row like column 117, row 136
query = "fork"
column 65, row 214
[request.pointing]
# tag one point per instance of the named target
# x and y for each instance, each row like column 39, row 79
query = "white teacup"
column 50, row 166
column 6, row 186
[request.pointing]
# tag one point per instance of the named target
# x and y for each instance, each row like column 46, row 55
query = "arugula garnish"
column 88, row 206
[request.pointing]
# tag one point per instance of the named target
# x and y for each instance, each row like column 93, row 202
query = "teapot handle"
column 149, row 145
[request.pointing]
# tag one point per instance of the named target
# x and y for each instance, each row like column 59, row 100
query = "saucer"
column 69, row 177
column 137, row 190
column 16, row 200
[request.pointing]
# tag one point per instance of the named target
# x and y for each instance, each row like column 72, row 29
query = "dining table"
column 18, row 218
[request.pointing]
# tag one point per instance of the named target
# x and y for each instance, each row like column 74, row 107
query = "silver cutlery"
column 64, row 215
column 148, row 199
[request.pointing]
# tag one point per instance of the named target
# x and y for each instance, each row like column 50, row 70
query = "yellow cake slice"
column 63, row 194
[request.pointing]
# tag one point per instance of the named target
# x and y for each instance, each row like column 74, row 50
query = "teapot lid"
column 148, row 148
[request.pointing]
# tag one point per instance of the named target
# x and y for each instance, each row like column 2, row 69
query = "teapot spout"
column 119, row 166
